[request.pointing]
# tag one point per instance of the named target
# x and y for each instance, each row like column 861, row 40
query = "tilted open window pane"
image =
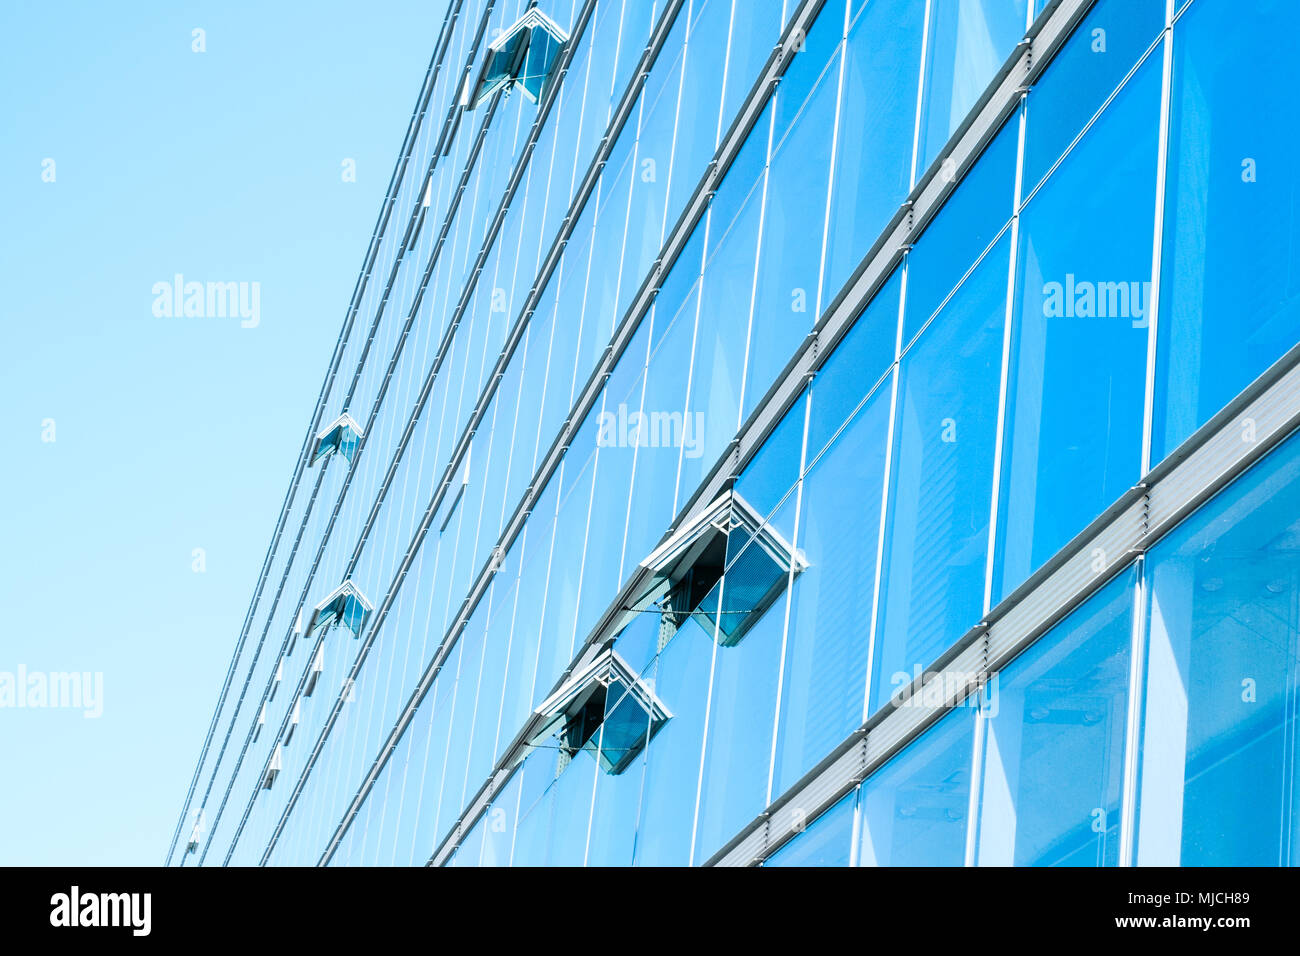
column 524, row 55
column 272, row 769
column 317, row 668
column 345, row 606
column 342, row 435
column 294, row 716
column 606, row 710
column 687, row 570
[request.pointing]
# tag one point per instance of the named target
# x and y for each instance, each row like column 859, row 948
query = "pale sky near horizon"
column 135, row 439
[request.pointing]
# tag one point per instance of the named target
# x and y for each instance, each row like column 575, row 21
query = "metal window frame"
column 532, row 19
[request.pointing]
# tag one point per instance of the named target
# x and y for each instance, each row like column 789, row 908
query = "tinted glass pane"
column 825, row 680
column 873, row 156
column 1078, row 367
column 1230, row 276
column 1087, row 70
column 914, row 809
column 1223, row 658
column 967, row 43
column 828, row 841
column 981, row 205
column 941, row 489
column 856, row 365
column 672, row 772
column 1054, row 741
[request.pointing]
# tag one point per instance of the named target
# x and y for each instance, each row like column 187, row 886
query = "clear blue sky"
column 170, row 434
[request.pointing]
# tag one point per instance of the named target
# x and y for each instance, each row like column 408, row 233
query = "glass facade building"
column 837, row 432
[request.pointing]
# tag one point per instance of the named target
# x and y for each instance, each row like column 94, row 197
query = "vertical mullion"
column 830, row 173
column 920, row 95
column 789, row 595
column 974, row 798
column 758, row 263
column 1157, row 240
column 1005, row 374
column 1134, row 721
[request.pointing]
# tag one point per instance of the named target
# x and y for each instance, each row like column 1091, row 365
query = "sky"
column 147, row 456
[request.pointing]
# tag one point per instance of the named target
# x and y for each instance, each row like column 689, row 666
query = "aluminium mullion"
column 1137, row 664
column 1004, row 375
column 843, row 50
column 1157, row 241
column 1133, row 717
column 708, row 715
column 974, row 815
column 754, row 272
column 974, row 799
column 789, row 595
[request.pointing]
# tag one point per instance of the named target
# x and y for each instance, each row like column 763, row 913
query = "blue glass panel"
column 873, row 156
column 914, row 809
column 755, row 29
column 967, row 44
column 654, row 488
column 722, row 328
column 856, row 365
column 825, row 681
column 1230, row 276
column 981, row 205
column 786, row 303
column 553, row 831
column 941, row 489
column 742, row 710
column 771, row 474
column 672, row 774
column 828, row 841
column 1054, row 742
column 1078, row 367
column 1087, row 70
column 1218, row 765
column 498, row 824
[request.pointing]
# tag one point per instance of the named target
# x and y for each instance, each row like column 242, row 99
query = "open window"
column 342, row 435
column 279, row 678
column 295, row 634
column 294, row 715
column 604, row 709
column 272, row 768
column 317, row 668
column 196, row 834
column 261, row 722
column 524, row 55
column 345, row 606
column 686, row 572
